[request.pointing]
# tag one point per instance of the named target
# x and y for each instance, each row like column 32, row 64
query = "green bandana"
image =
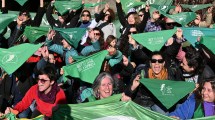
column 153, row 40
column 14, row 57
column 87, row 68
column 33, row 33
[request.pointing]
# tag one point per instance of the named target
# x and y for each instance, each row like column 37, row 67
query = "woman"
column 95, row 42
column 199, row 104
column 105, row 20
column 46, row 93
column 103, row 87
column 155, row 70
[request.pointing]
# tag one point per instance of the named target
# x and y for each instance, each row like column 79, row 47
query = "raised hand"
column 136, row 82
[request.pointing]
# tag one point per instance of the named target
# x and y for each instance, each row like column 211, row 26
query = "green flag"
column 191, row 34
column 87, row 68
column 168, row 92
column 106, row 109
column 14, row 57
column 209, row 41
column 64, row 6
column 88, row 5
column 21, row 2
column 72, row 35
column 182, row 18
column 5, row 19
column 153, row 40
column 195, row 8
column 33, row 33
column 127, row 4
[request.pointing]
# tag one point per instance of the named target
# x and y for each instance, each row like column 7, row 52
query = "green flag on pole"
column 168, row 92
column 191, row 34
column 87, row 68
column 14, row 57
column 127, row 4
column 110, row 108
column 21, row 2
column 33, row 33
column 88, row 5
column 64, row 6
column 195, row 8
column 154, row 40
column 182, row 18
column 209, row 41
column 5, row 19
column 72, row 35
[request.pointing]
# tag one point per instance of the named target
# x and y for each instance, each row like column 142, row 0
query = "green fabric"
column 91, row 98
column 88, row 5
column 191, row 34
column 5, row 19
column 33, row 33
column 110, row 108
column 87, row 68
column 209, row 41
column 158, row 2
column 161, row 8
column 72, row 35
column 182, row 18
column 205, row 118
column 11, row 116
column 127, row 4
column 64, row 6
column 199, row 112
column 166, row 91
column 195, row 8
column 14, row 57
column 154, row 40
column 21, row 2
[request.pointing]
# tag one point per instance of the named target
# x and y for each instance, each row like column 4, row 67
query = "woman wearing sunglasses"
column 105, row 19
column 155, row 70
column 46, row 93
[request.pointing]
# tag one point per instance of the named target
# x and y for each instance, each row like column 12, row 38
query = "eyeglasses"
column 157, row 60
column 85, row 15
column 97, row 34
column 140, row 15
column 107, row 14
column 42, row 80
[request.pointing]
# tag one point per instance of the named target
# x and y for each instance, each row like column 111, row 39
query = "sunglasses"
column 157, row 60
column 107, row 14
column 134, row 32
column 156, row 12
column 140, row 15
column 97, row 34
column 85, row 15
column 171, row 24
column 42, row 80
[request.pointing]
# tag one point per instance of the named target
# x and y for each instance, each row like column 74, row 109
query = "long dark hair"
column 100, row 40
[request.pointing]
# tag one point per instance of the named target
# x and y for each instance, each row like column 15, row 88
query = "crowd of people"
column 37, row 87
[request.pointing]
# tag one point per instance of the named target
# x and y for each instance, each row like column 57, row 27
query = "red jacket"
column 43, row 107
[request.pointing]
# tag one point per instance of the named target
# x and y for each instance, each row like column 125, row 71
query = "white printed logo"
column 85, row 65
column 10, row 58
column 166, row 90
column 129, row 4
column 155, row 41
column 197, row 33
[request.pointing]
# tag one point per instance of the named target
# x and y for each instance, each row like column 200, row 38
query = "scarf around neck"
column 50, row 97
